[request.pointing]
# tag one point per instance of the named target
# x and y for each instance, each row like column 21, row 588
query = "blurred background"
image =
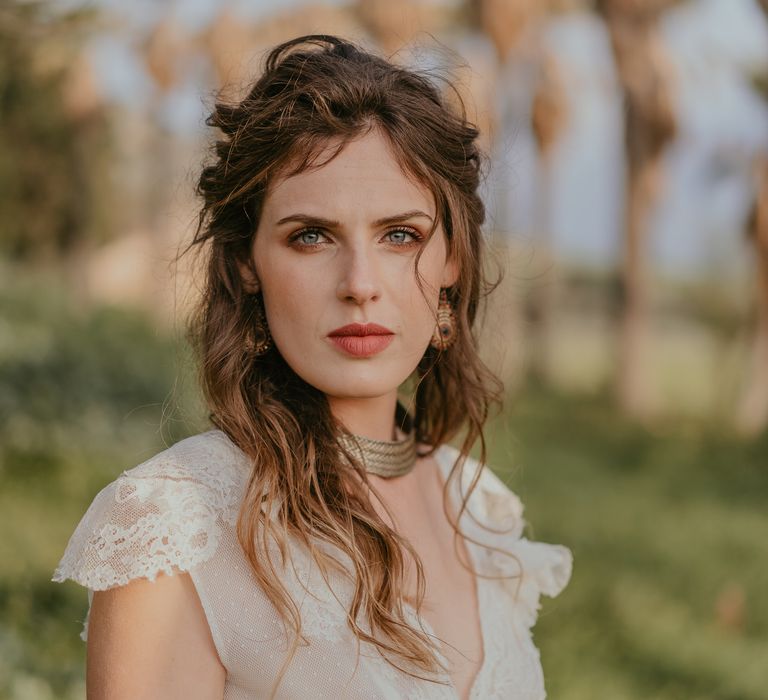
column 627, row 204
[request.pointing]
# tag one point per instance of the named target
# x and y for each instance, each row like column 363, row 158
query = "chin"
column 342, row 377
column 359, row 389
column 363, row 383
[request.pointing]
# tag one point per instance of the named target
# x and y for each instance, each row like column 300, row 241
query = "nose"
column 360, row 281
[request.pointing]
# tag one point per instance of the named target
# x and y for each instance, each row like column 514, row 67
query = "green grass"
column 662, row 526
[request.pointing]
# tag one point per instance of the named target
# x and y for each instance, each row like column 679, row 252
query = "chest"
column 333, row 663
column 451, row 608
column 451, row 605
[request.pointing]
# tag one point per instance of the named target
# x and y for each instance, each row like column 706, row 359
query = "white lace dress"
column 179, row 509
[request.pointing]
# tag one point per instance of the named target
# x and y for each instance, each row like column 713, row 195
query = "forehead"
column 364, row 177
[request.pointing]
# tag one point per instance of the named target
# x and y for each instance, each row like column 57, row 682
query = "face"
column 336, row 245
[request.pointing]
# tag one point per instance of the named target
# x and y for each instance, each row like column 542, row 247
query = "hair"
column 317, row 91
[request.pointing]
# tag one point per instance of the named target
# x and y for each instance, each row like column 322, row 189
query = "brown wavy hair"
column 317, row 90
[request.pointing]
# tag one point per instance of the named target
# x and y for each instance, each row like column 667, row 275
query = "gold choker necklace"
column 385, row 458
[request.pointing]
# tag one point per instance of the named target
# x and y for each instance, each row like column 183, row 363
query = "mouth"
column 362, row 340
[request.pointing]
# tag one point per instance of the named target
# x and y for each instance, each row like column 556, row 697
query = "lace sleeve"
column 163, row 514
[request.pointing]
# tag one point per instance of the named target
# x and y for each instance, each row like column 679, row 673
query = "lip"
column 362, row 339
column 360, row 329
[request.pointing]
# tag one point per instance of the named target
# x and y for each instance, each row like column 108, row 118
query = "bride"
column 322, row 539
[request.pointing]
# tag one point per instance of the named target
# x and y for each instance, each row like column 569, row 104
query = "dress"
column 179, row 508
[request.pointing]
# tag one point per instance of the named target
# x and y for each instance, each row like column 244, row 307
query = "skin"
column 316, row 277
column 151, row 640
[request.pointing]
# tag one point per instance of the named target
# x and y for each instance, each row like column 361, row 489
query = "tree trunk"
column 645, row 75
column 633, row 387
column 548, row 118
column 752, row 410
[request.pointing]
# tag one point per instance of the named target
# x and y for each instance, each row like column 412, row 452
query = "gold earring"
column 445, row 330
column 259, row 340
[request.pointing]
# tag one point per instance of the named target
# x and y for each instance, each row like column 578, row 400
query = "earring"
column 445, row 330
column 259, row 340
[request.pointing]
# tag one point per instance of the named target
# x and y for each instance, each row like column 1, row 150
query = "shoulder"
column 207, row 467
column 162, row 515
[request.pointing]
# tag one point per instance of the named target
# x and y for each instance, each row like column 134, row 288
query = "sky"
column 696, row 228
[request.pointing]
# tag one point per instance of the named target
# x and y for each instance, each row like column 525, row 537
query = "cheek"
column 292, row 301
column 419, row 305
column 294, row 312
column 290, row 294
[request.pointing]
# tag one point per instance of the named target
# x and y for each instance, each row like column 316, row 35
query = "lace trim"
column 163, row 514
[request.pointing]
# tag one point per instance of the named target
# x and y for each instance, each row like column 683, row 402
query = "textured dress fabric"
column 178, row 510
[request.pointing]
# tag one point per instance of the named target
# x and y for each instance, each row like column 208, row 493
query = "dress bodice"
column 178, row 510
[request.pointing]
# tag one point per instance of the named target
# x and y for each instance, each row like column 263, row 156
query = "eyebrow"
column 309, row 220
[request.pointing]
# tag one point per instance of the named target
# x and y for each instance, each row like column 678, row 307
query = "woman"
column 307, row 546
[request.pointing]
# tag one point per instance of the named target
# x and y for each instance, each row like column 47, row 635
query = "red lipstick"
column 362, row 339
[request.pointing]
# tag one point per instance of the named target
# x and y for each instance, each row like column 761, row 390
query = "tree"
column 47, row 194
column 645, row 75
column 516, row 29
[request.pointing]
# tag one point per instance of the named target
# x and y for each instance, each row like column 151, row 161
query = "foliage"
column 49, row 158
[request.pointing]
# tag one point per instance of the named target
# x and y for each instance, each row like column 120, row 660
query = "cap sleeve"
column 165, row 513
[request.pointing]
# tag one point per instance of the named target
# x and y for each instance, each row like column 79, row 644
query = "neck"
column 370, row 417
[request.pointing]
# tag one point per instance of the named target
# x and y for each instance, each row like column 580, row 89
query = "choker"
column 385, row 458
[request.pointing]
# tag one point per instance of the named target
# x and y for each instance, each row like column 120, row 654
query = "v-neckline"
column 441, row 458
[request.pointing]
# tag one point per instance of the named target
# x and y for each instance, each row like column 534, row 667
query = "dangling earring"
column 445, row 330
column 259, row 340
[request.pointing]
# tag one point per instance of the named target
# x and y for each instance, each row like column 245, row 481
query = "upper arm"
column 151, row 639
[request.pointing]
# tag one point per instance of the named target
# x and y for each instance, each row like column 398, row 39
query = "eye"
column 399, row 236
column 307, row 238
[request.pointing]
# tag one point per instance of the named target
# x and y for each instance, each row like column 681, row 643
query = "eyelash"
column 417, row 237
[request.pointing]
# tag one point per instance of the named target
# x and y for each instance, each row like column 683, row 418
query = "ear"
column 248, row 276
